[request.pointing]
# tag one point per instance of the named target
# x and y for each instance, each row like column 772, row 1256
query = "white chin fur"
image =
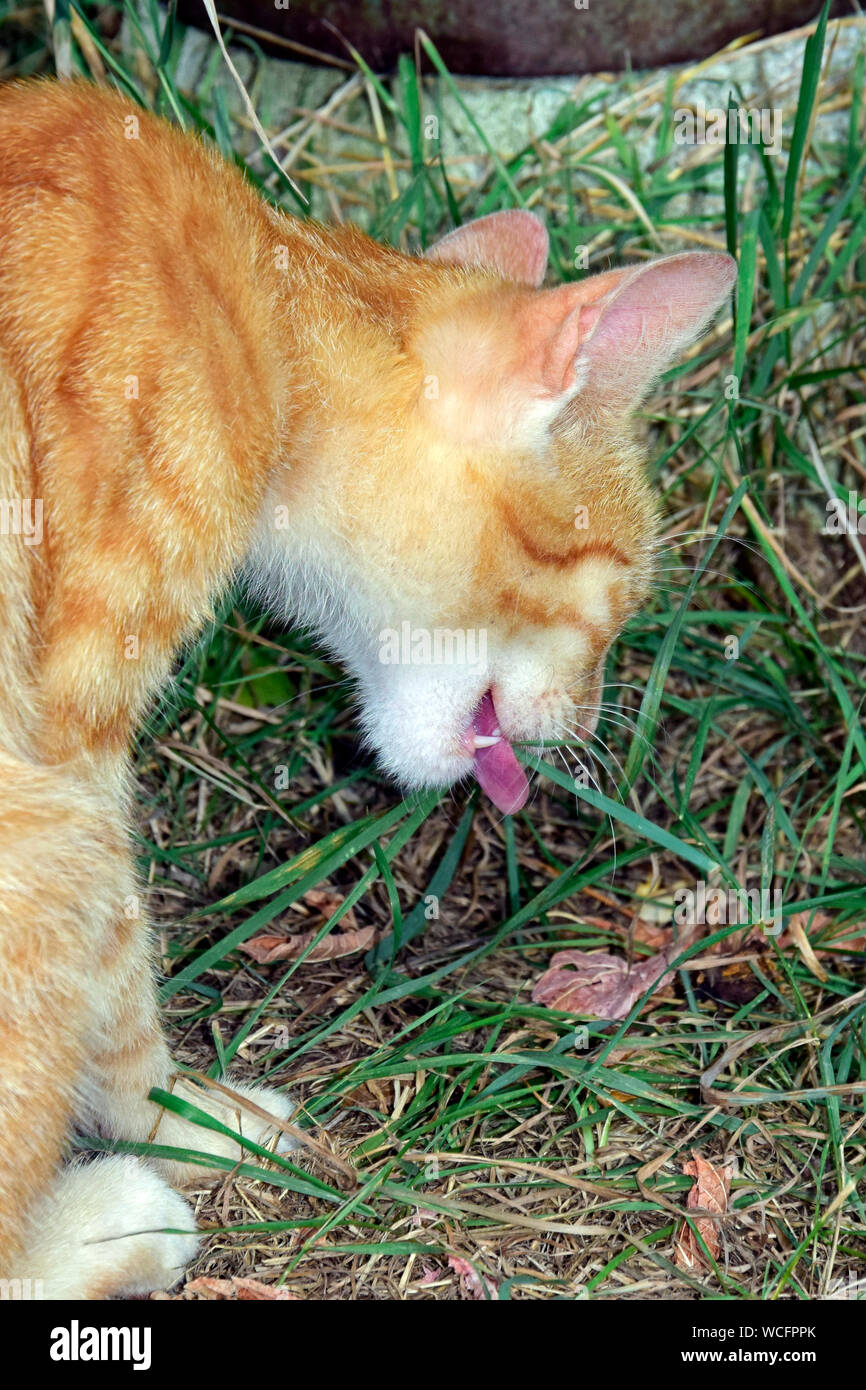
column 414, row 713
column 413, row 716
column 414, row 719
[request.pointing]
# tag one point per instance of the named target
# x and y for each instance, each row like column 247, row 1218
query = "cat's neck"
column 281, row 362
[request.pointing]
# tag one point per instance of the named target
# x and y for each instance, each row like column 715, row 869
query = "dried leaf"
column 710, row 1192
column 797, row 925
column 600, row 985
column 265, row 949
column 651, row 934
column 374, row 1094
column 270, row 946
column 328, row 903
column 732, row 982
column 803, row 926
column 242, row 1289
column 471, row 1281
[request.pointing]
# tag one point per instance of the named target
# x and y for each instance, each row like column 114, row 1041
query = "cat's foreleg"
column 93, row 1229
column 129, row 1057
column 106, row 1229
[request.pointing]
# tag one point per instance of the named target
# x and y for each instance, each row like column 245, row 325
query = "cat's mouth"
column 499, row 773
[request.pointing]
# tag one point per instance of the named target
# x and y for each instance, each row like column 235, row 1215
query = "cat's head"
column 465, row 518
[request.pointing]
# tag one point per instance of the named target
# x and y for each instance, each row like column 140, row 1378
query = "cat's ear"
column 506, row 361
column 513, row 244
column 609, row 336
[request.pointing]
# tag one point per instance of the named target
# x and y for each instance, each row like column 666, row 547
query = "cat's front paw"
column 179, row 1132
column 105, row 1230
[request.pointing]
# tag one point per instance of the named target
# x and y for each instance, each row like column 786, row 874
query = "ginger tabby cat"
column 194, row 386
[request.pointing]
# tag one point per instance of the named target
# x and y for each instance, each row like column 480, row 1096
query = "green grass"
column 461, row 1118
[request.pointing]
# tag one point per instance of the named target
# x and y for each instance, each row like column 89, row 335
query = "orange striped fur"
column 193, row 385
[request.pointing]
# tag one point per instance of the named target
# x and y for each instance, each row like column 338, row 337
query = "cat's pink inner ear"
column 554, row 325
column 513, row 244
column 651, row 319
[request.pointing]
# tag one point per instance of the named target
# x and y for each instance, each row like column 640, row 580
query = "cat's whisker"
column 615, row 705
column 591, row 777
column 608, row 750
column 618, row 705
column 622, row 723
column 611, row 710
column 675, row 545
column 623, row 685
column 614, row 712
column 568, row 772
column 595, row 782
column 716, row 574
column 313, row 690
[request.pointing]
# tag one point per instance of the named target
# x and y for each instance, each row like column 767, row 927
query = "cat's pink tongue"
column 498, row 771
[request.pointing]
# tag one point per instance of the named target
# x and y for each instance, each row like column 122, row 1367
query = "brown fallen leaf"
column 843, row 936
column 327, row 903
column 601, row 985
column 346, row 941
column 803, row 930
column 798, row 925
column 650, row 934
column 240, row 1288
column 374, row 1094
column 470, row 1280
column 710, row 1192
column 733, row 981
column 265, row 949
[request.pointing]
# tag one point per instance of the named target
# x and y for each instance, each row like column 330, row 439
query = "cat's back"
column 128, row 248
column 91, row 183
column 74, row 141
column 140, row 377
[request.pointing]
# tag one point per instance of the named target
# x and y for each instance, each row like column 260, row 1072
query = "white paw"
column 98, row 1233
column 181, row 1133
